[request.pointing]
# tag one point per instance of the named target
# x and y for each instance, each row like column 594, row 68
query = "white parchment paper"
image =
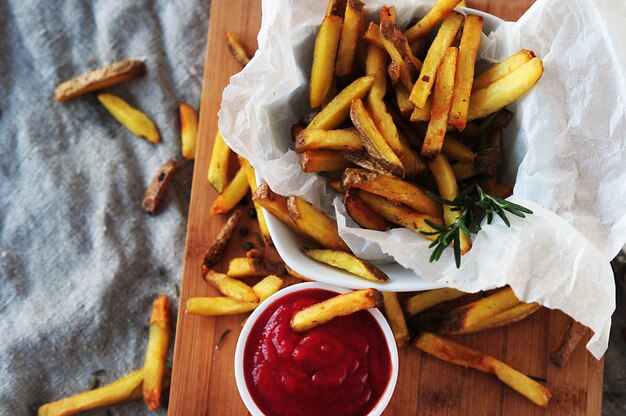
column 565, row 151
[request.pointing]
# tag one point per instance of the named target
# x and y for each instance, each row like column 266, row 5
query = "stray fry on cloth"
column 425, row 300
column 233, row 288
column 134, row 120
column 156, row 352
column 237, row 49
column 395, row 317
column 348, row 262
column 234, row 192
column 254, row 267
column 571, row 337
column 154, row 194
column 216, row 250
column 340, row 305
column 317, row 225
column 218, row 167
column 98, row 79
column 188, row 130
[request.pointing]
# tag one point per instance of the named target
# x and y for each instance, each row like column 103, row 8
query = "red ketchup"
column 339, row 368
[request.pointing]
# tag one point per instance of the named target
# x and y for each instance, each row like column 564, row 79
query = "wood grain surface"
column 203, row 381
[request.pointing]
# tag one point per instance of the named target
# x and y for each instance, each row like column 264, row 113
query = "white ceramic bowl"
column 288, row 243
column 243, row 337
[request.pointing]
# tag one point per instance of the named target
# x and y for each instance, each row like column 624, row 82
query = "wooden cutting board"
column 203, row 381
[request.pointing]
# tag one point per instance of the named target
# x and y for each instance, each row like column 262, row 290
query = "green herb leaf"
column 221, row 339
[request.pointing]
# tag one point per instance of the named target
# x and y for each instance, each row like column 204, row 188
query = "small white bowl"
column 245, row 332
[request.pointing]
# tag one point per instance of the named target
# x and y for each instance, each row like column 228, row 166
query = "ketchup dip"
column 341, row 367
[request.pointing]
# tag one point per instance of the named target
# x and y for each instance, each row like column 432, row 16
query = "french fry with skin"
column 336, row 7
column 322, row 161
column 571, row 337
column 254, row 267
column 456, row 150
column 348, row 262
column 340, row 305
column 216, row 250
column 156, row 352
column 395, row 317
column 426, row 300
column 218, row 167
column 388, row 13
column 363, row 159
column 324, row 55
column 440, row 10
column 422, row 114
column 267, row 286
column 424, row 84
column 400, row 214
column 394, row 43
column 276, row 205
column 251, row 176
column 315, row 224
column 448, row 189
column 361, row 213
column 188, row 130
column 402, row 99
column 233, row 288
column 134, row 120
column 507, row 317
column 393, row 189
column 372, row 36
column 442, row 101
column 347, row 140
column 458, row 354
column 501, row 69
column 375, row 65
column 234, row 192
column 505, row 90
column 336, row 111
column 218, row 306
column 350, row 32
column 237, row 49
column 158, row 186
column 464, row 77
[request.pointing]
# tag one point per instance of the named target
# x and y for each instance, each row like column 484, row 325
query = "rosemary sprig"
column 474, row 205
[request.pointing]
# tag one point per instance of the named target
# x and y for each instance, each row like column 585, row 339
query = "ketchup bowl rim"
column 240, row 378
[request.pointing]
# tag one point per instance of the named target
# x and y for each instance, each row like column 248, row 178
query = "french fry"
column 218, row 167
column 372, row 36
column 228, row 286
column 413, row 164
column 160, row 182
column 384, row 123
column 350, row 32
column 348, row 262
column 236, row 189
column 216, row 250
column 315, row 224
column 296, row 129
column 422, row 114
column 188, row 130
column 442, row 101
column 364, row 160
column 276, row 205
column 464, row 170
column 316, row 139
column 425, row 300
column 448, row 189
column 507, row 317
column 474, row 313
column 336, row 185
column 267, row 286
column 395, row 317
column 251, row 176
column 501, row 69
column 336, row 8
column 98, row 79
column 218, row 306
column 398, row 49
column 322, row 161
column 297, row 275
column 237, row 49
column 402, row 99
column 324, row 55
column 372, row 139
column 571, row 337
column 504, row 91
column 388, row 13
column 426, row 79
column 336, row 111
column 440, row 10
column 400, row 214
column 134, row 120
column 375, row 65
column 456, row 150
column 254, row 267
column 361, row 213
column 464, row 77
column 156, row 352
column 393, row 189
column 458, row 354
column 340, row 305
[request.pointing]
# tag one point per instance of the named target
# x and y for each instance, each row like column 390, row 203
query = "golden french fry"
column 156, row 352
column 98, row 79
column 361, row 213
column 218, row 167
column 254, row 267
column 571, row 337
column 425, row 300
column 315, row 224
column 251, row 176
column 400, row 214
column 458, row 354
column 440, row 10
column 134, row 120
column 336, row 8
column 422, row 114
column 505, row 90
column 393, row 189
column 217, row 306
column 456, row 150
column 297, row 275
column 160, row 182
column 464, row 170
column 350, row 32
column 372, row 36
column 317, row 139
column 442, row 101
column 236, row 189
column 228, row 286
column 216, row 250
column 340, row 305
column 402, row 98
column 237, row 49
column 507, row 317
column 395, row 317
column 348, row 262
column 324, row 55
column 375, row 65
column 464, row 77
column 336, row 111
column 426, row 79
column 372, row 139
column 364, row 160
column 276, row 205
column 188, row 130
column 322, row 161
column 384, row 123
column 398, row 49
column 501, row 69
column 267, row 286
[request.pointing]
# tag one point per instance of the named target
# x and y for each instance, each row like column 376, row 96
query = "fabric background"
column 80, row 263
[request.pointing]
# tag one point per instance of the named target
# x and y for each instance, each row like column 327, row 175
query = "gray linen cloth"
column 80, row 263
